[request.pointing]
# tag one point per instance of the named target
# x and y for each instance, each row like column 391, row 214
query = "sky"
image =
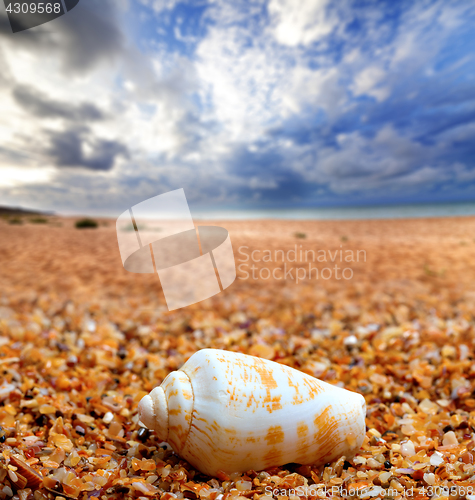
column 244, row 104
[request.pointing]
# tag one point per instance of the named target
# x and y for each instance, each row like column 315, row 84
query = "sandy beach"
column 82, row 337
column 434, row 253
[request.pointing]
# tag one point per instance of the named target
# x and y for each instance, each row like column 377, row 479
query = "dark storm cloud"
column 87, row 36
column 91, row 35
column 67, row 148
column 42, row 106
column 80, row 41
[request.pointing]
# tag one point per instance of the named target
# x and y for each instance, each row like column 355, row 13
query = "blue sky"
column 278, row 103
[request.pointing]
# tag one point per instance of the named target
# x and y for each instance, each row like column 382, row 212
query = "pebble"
column 450, row 439
column 436, row 459
column 408, row 449
column 143, row 434
column 467, row 458
column 427, row 406
column 108, row 417
column 384, row 477
column 350, row 341
column 429, row 478
column 243, row 485
column 374, row 464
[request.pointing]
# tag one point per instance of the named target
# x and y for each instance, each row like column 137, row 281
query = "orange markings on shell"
column 326, row 434
column 272, row 403
column 272, row 457
column 179, row 395
column 303, row 443
column 275, row 435
column 302, row 430
column 267, row 378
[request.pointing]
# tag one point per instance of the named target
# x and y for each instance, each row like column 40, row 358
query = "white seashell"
column 233, row 412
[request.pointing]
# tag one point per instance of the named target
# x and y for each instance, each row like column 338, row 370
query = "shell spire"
column 233, row 412
column 153, row 410
column 168, row 409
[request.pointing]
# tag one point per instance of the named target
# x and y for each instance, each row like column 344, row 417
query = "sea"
column 342, row 213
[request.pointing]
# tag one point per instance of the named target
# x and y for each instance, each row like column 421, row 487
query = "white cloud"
column 462, row 173
column 423, row 30
column 304, row 87
column 237, row 80
column 462, row 132
column 160, row 5
column 300, row 21
column 13, row 177
column 387, row 161
column 368, row 81
column 256, row 182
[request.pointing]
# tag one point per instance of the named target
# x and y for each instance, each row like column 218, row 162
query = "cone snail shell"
column 233, row 412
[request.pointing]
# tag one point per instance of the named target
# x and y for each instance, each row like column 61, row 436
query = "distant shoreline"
column 345, row 213
column 23, row 211
column 374, row 212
